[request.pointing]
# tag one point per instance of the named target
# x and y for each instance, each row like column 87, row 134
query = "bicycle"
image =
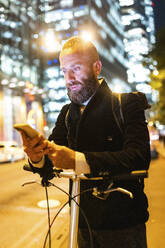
column 75, row 196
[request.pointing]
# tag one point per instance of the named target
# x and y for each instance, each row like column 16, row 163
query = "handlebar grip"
column 132, row 175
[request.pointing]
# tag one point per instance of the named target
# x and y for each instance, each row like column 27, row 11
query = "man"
column 92, row 143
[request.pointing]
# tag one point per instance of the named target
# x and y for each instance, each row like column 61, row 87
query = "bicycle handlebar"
column 141, row 174
column 71, row 175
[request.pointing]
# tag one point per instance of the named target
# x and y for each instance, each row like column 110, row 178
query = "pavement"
column 26, row 224
column 154, row 189
column 160, row 148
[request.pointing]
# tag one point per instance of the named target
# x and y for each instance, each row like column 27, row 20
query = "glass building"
column 20, row 95
column 137, row 17
column 31, row 35
column 99, row 21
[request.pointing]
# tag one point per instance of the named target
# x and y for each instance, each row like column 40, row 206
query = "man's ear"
column 97, row 67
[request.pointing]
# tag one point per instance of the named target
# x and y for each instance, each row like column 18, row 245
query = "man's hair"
column 78, row 44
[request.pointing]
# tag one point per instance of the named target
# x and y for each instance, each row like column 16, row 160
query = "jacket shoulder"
column 136, row 98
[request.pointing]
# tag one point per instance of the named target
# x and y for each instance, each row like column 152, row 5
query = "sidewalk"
column 154, row 189
column 160, row 148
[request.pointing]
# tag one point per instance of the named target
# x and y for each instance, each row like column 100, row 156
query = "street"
column 24, row 224
column 154, row 189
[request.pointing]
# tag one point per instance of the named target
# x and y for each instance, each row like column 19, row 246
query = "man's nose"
column 70, row 76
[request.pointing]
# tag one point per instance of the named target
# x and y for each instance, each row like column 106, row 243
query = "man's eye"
column 77, row 68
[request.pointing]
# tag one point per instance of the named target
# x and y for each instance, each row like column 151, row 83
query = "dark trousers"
column 134, row 237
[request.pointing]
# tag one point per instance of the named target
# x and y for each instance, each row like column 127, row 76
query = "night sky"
column 159, row 13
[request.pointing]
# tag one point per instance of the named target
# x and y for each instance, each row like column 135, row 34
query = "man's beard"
column 89, row 87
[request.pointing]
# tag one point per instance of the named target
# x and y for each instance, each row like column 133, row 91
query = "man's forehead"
column 74, row 58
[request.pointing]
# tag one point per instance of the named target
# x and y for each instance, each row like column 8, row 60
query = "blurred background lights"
column 4, row 82
column 126, row 3
column 155, row 72
column 50, row 42
column 35, row 36
column 13, row 80
column 12, row 85
column 46, row 128
column 144, row 88
column 21, row 83
column 86, row 35
column 150, row 123
column 118, row 88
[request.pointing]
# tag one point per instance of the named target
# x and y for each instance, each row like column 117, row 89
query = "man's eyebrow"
column 72, row 65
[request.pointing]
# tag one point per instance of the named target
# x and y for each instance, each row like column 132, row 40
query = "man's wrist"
column 39, row 164
column 35, row 162
column 81, row 164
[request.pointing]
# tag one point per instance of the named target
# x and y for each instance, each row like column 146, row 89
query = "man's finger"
column 25, row 138
column 36, row 140
column 30, row 153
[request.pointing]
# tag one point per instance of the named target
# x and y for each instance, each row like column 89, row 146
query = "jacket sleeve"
column 135, row 153
column 59, row 136
column 59, row 133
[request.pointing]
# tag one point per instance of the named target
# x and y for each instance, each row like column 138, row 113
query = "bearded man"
column 87, row 139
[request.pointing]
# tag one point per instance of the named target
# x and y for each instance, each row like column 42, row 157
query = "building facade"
column 20, row 94
column 99, row 21
column 32, row 34
column 138, row 19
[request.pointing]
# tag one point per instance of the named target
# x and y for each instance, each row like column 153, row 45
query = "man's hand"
column 35, row 148
column 61, row 156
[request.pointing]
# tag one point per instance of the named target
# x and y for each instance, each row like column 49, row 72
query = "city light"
column 70, row 18
column 118, row 89
column 86, row 35
column 144, row 88
column 126, row 3
column 50, row 42
column 4, row 82
column 155, row 72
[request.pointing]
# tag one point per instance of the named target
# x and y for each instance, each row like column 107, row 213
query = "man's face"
column 81, row 82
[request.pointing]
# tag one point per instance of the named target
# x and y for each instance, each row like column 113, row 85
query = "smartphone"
column 27, row 129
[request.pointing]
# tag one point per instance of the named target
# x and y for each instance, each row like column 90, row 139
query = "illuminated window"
column 52, row 116
column 126, row 2
column 62, row 25
column 103, row 34
column 26, row 71
column 56, row 83
column 144, row 88
column 7, row 34
column 67, row 15
column 6, row 64
column 137, row 73
column 66, row 3
column 81, row 12
column 17, row 69
column 54, row 106
column 98, row 3
column 52, row 72
column 53, row 16
column 33, row 75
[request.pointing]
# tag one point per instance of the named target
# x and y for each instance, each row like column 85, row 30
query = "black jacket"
column 97, row 135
